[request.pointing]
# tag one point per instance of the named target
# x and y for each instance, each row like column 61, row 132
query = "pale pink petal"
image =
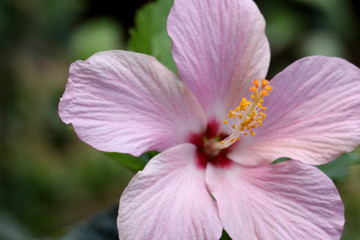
column 289, row 200
column 313, row 114
column 128, row 102
column 169, row 200
column 219, row 47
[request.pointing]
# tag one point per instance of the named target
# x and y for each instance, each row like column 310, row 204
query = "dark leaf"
column 99, row 227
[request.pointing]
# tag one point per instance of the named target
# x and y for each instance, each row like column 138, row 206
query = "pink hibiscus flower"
column 216, row 136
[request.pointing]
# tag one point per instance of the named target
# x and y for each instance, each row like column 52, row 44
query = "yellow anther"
column 232, row 140
column 259, row 105
column 253, row 89
column 256, row 83
column 264, row 83
column 233, row 126
column 252, row 96
column 222, row 142
column 225, row 122
column 268, row 88
column 246, row 133
column 252, row 133
column 264, row 93
column 238, row 138
column 264, row 108
column 240, row 115
column 261, row 100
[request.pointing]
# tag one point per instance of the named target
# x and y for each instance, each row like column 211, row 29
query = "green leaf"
column 338, row 170
column 150, row 35
column 225, row 236
column 279, row 160
column 134, row 164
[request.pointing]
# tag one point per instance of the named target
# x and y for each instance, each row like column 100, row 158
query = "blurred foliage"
column 338, row 170
column 95, row 35
column 49, row 179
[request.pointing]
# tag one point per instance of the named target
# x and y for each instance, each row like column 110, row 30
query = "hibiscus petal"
column 219, row 48
column 128, row 102
column 288, row 200
column 313, row 114
column 169, row 200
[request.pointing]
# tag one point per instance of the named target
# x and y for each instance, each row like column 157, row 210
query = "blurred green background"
column 49, row 179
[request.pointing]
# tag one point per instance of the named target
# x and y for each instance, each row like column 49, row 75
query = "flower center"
column 241, row 121
column 205, row 152
column 247, row 116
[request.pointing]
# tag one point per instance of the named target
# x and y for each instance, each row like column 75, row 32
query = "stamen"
column 248, row 115
column 253, row 89
column 268, row 88
column 264, row 93
column 264, row 83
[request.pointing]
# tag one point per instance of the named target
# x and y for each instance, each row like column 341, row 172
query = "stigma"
column 247, row 116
